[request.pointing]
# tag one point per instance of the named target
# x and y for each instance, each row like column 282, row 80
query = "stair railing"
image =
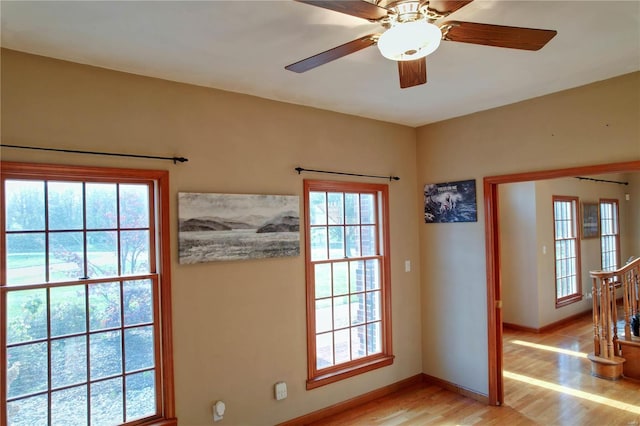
column 605, row 317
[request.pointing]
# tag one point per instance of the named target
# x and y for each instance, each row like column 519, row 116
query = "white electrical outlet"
column 281, row 390
column 218, row 410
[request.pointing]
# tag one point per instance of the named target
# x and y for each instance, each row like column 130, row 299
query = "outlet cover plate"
column 281, row 390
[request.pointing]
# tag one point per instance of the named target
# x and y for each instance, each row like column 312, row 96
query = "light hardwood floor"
column 547, row 381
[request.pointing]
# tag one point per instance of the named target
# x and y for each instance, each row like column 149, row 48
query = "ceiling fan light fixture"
column 407, row 41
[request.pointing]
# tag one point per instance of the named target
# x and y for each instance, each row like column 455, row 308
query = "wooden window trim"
column 568, row 300
column 346, row 372
column 317, row 378
column 577, row 296
column 49, row 171
column 615, row 202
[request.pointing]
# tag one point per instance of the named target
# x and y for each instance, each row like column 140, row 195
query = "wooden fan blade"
column 332, row 54
column 412, row 73
column 357, row 8
column 447, row 7
column 496, row 35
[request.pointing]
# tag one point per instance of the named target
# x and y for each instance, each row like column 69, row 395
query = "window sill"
column 159, row 422
column 345, row 373
column 568, row 300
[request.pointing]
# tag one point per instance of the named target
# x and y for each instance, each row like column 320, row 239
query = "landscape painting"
column 450, row 202
column 215, row 227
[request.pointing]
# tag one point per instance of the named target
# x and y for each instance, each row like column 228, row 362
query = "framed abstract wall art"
column 450, row 202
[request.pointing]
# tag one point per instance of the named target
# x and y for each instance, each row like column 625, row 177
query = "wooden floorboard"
column 547, row 381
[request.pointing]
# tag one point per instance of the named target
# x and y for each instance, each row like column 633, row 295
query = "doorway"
column 492, row 234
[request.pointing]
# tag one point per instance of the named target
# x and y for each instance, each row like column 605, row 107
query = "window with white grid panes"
column 609, row 235
column 567, row 250
column 348, row 320
column 80, row 285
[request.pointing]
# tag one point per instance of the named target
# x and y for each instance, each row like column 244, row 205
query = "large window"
column 84, row 291
column 567, row 250
column 609, row 235
column 348, row 288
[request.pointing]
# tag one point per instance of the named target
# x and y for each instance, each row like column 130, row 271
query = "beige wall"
column 526, row 240
column 633, row 205
column 594, row 124
column 518, row 249
column 239, row 327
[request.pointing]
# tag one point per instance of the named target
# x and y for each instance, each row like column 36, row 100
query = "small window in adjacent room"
column 348, row 279
column 567, row 250
column 609, row 235
column 85, row 296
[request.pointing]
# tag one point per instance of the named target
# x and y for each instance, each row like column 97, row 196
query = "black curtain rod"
column 602, row 180
column 73, row 151
column 300, row 170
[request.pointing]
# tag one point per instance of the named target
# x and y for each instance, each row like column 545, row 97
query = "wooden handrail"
column 634, row 264
column 605, row 328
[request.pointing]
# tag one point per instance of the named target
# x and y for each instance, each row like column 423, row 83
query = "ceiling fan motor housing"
column 409, row 11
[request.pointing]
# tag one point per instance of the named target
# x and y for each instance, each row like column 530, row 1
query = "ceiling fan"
column 411, row 33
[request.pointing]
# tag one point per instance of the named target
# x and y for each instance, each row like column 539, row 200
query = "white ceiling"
column 243, row 46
